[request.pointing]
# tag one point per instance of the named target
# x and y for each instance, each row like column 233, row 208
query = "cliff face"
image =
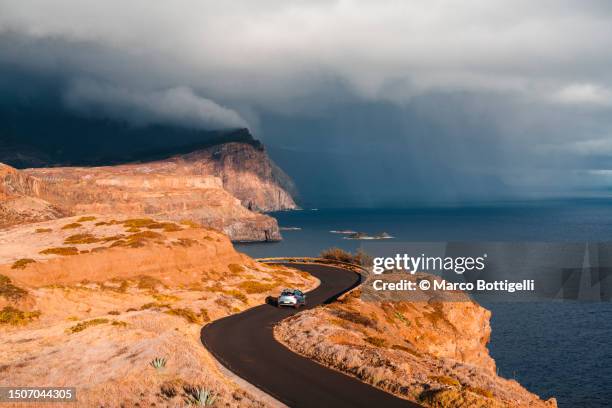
column 431, row 352
column 220, row 187
column 248, row 173
column 18, row 199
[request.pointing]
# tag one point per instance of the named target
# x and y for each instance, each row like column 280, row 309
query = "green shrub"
column 159, row 363
column 201, row 397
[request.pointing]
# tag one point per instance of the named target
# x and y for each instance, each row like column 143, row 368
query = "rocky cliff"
column 248, row 173
column 433, row 352
column 220, row 186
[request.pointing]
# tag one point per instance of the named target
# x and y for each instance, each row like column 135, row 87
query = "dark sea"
column 554, row 349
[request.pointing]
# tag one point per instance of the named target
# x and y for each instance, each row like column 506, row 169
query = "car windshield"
column 287, row 293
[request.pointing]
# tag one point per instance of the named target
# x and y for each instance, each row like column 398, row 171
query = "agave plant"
column 158, row 363
column 202, row 397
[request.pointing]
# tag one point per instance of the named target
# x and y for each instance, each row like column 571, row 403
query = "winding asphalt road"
column 244, row 343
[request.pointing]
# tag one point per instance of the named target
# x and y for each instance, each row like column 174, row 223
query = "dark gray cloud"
column 445, row 101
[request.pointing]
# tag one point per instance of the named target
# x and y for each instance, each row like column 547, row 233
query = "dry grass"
column 235, row 268
column 43, row 230
column 86, row 218
column 138, row 222
column 406, row 349
column 185, row 242
column 154, row 305
column 252, row 287
column 64, row 251
column 238, row 295
column 376, row 341
column 160, row 297
column 149, row 283
column 190, row 224
column 15, row 317
column 72, row 226
column 355, row 317
column 171, row 227
column 81, row 239
column 84, row 325
column 445, row 380
column 22, row 263
column 186, row 314
column 138, row 239
column 480, row 391
column 204, row 315
column 10, row 291
column 112, row 238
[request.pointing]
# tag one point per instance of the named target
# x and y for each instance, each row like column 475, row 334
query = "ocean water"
column 560, row 349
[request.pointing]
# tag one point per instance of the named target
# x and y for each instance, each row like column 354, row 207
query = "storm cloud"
column 176, row 106
column 471, row 100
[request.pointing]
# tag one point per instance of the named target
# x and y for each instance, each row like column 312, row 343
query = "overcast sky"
column 395, row 101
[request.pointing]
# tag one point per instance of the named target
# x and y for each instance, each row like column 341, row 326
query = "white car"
column 291, row 297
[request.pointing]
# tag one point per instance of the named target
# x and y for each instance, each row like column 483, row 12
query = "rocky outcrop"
column 18, row 201
column 222, row 187
column 433, row 352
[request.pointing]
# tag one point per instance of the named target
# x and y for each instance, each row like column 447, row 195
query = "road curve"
column 244, row 343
